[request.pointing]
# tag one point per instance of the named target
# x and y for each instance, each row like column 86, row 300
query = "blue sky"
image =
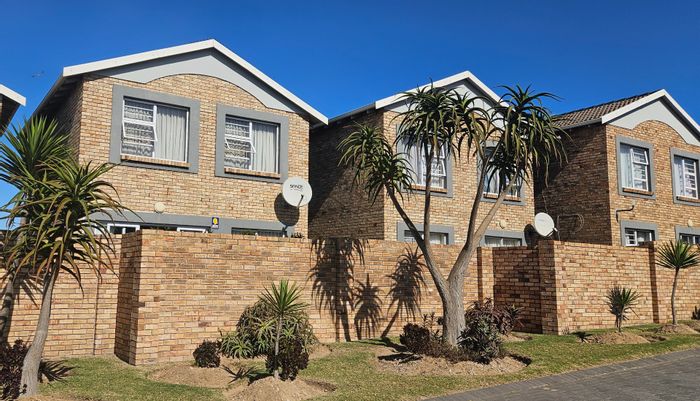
column 340, row 55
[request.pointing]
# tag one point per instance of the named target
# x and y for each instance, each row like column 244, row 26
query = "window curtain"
column 265, row 142
column 625, row 161
column 678, row 175
column 416, row 160
column 171, row 134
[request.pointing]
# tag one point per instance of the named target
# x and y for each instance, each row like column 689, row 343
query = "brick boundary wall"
column 176, row 289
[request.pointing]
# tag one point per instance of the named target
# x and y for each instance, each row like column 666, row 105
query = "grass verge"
column 351, row 368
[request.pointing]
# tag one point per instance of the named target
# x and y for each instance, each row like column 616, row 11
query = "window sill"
column 150, row 160
column 507, row 198
column 432, row 189
column 687, row 199
column 239, row 171
column 637, row 191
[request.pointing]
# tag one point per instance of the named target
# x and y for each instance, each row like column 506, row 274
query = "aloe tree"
column 61, row 237
column 26, row 153
column 621, row 302
column 509, row 140
column 284, row 302
column 677, row 255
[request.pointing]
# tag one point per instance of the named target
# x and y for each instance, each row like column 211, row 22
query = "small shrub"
column 696, row 314
column 511, row 319
column 292, row 358
column 505, row 319
column 415, row 338
column 11, row 358
column 235, row 345
column 621, row 302
column 207, row 355
column 482, row 339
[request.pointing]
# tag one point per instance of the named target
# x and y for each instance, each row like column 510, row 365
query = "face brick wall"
column 187, row 287
column 340, row 208
column 88, row 112
column 572, row 194
column 662, row 210
column 82, row 321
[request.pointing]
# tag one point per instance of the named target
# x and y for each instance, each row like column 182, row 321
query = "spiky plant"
column 60, row 237
column 677, row 256
column 621, row 302
column 284, row 301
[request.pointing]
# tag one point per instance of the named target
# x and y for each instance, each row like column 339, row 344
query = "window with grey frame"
column 438, row 171
column 493, row 184
column 635, row 167
column 638, row 236
column 436, row 238
column 154, row 130
column 251, row 145
column 685, row 176
column 689, row 238
column 493, row 241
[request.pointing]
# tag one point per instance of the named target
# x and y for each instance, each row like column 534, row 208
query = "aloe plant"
column 621, row 302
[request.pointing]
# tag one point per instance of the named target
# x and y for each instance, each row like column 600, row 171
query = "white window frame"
column 249, row 140
column 191, row 230
column 634, row 231
column 502, row 238
column 645, row 164
column 439, row 165
column 136, row 227
column 694, row 238
column 152, row 125
column 683, row 190
column 515, row 191
column 408, row 237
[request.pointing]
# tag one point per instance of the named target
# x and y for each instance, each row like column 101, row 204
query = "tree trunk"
column 30, row 367
column 453, row 313
column 673, row 296
column 8, row 300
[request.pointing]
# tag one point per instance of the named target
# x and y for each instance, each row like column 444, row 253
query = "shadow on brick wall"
column 407, row 284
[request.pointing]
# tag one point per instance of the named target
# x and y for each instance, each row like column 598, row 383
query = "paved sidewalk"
column 673, row 376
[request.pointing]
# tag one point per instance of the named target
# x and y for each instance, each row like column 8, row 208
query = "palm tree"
column 60, row 237
column 514, row 137
column 677, row 255
column 26, row 153
column 284, row 302
column 621, row 302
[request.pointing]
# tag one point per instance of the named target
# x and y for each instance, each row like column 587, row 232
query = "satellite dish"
column 544, row 225
column 296, row 191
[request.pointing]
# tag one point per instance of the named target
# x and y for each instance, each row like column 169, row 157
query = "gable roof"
column 389, row 100
column 71, row 73
column 607, row 112
column 12, row 95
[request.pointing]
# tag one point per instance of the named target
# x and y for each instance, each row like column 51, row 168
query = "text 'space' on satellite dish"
column 296, row 191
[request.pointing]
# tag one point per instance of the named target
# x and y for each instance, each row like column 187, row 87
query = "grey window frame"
column 401, row 227
column 504, row 234
column 222, row 111
column 621, row 139
column 447, row 192
column 119, row 93
column 521, row 199
column 637, row 225
column 688, row 155
column 686, row 230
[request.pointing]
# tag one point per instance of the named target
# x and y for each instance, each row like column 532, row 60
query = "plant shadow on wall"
column 332, row 277
column 406, row 287
column 367, row 307
column 12, row 287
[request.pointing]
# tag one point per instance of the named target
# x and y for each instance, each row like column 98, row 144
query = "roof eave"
column 12, row 95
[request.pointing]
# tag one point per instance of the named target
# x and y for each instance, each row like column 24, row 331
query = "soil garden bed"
column 619, row 338
column 676, row 329
column 271, row 389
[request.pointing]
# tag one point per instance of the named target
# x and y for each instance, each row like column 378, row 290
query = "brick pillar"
column 550, row 308
column 485, row 274
column 127, row 290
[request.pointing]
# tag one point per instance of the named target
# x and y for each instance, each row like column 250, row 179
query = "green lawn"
column 350, row 368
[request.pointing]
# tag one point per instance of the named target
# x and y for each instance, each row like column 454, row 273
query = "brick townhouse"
column 631, row 176
column 9, row 103
column 202, row 140
column 340, row 209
